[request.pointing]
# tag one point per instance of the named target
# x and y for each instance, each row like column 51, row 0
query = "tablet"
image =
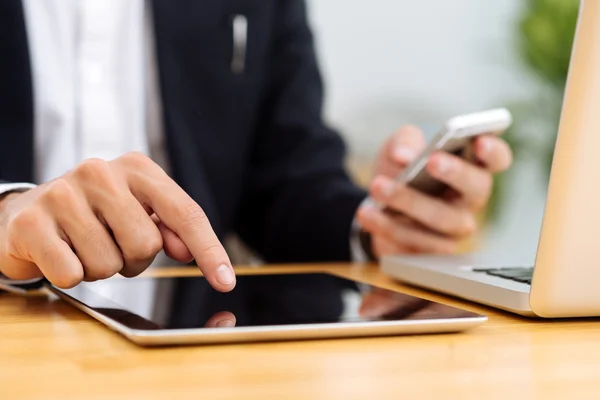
column 186, row 310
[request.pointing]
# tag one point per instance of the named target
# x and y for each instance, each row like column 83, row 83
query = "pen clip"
column 240, row 43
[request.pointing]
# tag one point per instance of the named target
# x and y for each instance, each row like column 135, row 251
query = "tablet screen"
column 257, row 300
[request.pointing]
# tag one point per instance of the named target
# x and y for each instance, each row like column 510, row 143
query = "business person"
column 169, row 124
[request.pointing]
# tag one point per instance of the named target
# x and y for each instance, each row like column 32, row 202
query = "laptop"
column 565, row 278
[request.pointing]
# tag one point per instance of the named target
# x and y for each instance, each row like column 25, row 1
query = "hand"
column 104, row 218
column 419, row 223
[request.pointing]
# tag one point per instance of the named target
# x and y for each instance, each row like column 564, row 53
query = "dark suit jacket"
column 250, row 148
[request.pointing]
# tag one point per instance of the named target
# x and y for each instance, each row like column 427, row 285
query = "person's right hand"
column 104, row 218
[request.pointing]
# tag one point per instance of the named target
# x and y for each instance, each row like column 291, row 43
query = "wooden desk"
column 49, row 350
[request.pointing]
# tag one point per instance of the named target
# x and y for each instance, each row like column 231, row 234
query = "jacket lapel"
column 16, row 95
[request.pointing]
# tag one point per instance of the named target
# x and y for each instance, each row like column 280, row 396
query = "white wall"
column 389, row 62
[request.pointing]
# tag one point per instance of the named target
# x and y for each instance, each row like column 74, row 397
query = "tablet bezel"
column 160, row 337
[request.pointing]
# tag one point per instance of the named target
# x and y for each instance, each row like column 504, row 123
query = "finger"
column 406, row 144
column 95, row 248
column 18, row 269
column 180, row 213
column 474, row 183
column 432, row 212
column 33, row 239
column 173, row 245
column 400, row 150
column 494, row 153
column 100, row 256
column 223, row 319
column 377, row 222
column 135, row 234
column 188, row 221
column 382, row 246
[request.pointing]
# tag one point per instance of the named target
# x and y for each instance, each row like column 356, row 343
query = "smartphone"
column 456, row 137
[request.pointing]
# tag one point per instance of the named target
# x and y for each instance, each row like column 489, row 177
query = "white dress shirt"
column 95, row 85
column 94, row 80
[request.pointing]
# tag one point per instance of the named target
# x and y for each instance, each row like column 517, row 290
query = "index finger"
column 180, row 213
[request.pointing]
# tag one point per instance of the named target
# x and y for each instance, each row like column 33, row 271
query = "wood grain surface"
column 49, row 350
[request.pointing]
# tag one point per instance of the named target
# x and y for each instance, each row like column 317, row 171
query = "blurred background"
column 391, row 62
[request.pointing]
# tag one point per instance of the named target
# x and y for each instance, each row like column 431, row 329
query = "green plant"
column 544, row 41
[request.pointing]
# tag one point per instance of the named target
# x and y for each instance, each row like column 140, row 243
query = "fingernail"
column 225, row 275
column 404, row 154
column 387, row 187
column 225, row 323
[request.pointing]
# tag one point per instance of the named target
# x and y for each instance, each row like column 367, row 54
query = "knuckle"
column 147, row 249
column 136, row 160
column 68, row 279
column 24, row 222
column 93, row 169
column 59, row 193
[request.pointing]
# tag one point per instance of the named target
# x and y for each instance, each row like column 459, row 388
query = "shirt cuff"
column 15, row 187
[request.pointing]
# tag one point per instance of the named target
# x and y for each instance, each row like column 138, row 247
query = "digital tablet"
column 186, row 310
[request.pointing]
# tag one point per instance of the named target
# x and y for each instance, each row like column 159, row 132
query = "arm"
column 299, row 201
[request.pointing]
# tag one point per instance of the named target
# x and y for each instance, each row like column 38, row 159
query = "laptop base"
column 455, row 276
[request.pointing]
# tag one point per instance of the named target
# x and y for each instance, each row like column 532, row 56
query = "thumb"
column 399, row 151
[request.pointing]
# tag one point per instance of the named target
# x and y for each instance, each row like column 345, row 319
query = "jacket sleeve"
column 299, row 200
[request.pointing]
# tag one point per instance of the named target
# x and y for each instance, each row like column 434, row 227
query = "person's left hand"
column 420, row 223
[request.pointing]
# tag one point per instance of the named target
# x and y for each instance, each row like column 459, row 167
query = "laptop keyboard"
column 519, row 274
